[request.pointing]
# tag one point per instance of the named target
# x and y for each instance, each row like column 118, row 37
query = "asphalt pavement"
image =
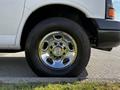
column 102, row 66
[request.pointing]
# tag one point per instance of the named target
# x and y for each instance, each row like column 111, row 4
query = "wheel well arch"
column 57, row 10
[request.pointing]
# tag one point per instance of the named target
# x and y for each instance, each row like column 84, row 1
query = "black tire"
column 68, row 26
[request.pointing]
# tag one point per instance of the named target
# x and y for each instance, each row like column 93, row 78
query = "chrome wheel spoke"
column 70, row 56
column 58, row 64
column 57, row 50
column 58, row 36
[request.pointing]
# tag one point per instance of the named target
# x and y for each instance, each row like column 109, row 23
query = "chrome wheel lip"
column 47, row 53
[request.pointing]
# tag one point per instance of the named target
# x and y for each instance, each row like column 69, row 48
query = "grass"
column 64, row 86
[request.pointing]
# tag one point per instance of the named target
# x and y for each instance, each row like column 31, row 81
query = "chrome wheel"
column 57, row 50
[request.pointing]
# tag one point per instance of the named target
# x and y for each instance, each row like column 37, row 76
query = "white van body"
column 14, row 14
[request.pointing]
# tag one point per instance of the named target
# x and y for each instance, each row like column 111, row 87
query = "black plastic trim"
column 106, row 24
column 108, row 33
column 108, row 39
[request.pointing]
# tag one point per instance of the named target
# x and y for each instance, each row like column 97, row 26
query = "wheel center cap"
column 57, row 51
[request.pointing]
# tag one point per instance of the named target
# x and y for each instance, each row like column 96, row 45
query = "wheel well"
column 58, row 11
